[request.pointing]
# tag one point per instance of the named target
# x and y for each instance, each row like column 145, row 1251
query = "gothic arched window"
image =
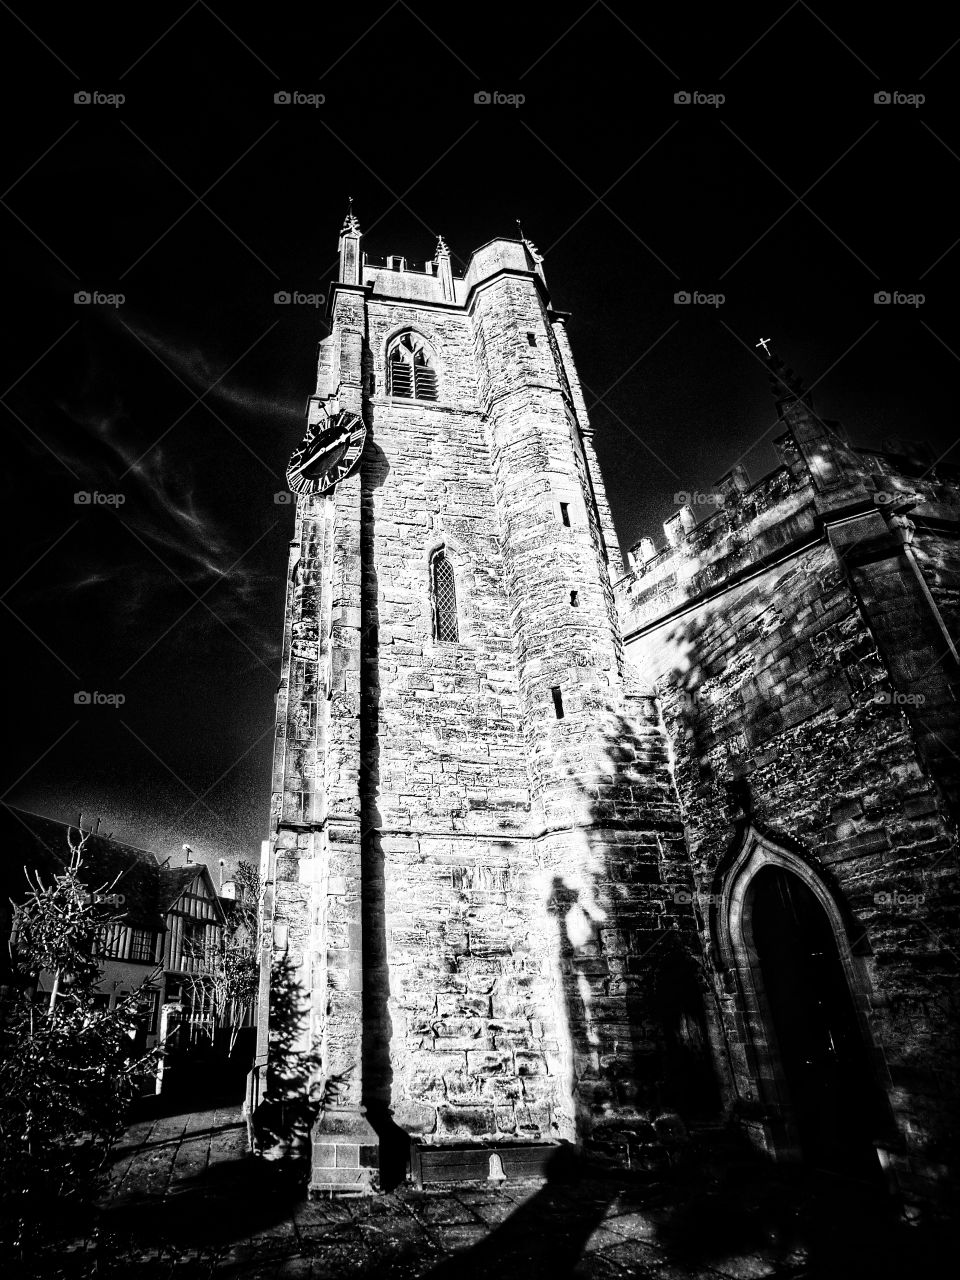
column 444, row 592
column 411, row 368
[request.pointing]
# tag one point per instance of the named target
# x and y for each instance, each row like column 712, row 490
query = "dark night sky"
column 198, row 198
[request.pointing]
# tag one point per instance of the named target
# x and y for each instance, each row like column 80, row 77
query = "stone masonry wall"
column 784, row 693
column 461, row 992
column 507, row 967
column 470, row 884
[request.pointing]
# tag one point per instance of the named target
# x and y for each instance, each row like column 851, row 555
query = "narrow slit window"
column 565, row 513
column 574, row 599
column 531, row 339
column 444, row 599
column 557, row 701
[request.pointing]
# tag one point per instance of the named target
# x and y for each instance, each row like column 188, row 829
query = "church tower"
column 476, row 863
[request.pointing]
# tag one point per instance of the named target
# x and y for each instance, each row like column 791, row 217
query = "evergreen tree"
column 68, row 1070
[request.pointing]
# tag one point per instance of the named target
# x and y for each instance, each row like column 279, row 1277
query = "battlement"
column 393, row 276
column 433, row 281
column 752, row 525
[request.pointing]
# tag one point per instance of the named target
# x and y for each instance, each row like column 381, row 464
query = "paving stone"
column 747, row 1267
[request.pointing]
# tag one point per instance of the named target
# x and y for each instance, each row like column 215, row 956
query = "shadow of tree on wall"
column 636, row 1000
column 633, row 1002
column 284, row 1119
column 631, row 966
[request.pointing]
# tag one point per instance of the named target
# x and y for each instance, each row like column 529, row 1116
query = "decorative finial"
column 531, row 247
column 350, row 226
column 442, row 249
column 765, row 343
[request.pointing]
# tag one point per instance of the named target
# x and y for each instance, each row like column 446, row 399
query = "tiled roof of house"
column 174, row 880
column 40, row 844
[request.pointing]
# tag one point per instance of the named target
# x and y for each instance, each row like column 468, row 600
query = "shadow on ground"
column 724, row 1215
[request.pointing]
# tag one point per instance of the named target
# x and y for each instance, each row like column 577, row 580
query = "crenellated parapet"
column 752, row 525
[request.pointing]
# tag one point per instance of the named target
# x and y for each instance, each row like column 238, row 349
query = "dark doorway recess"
column 824, row 1059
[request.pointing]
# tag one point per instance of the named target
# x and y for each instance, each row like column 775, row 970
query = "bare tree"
column 68, row 1068
column 228, row 975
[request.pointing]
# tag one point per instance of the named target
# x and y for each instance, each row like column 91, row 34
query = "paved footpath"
column 186, row 1199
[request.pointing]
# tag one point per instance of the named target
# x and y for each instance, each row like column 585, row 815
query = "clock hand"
column 344, row 435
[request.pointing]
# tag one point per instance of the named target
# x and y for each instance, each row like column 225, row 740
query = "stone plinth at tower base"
column 346, row 1154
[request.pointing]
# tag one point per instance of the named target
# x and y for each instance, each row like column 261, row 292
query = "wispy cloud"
column 173, row 515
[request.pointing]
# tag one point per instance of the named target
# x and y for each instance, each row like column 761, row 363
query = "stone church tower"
column 476, row 868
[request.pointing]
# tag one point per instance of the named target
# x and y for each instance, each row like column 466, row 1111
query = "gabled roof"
column 40, row 844
column 175, row 881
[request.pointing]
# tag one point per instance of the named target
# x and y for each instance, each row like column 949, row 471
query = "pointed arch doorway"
column 809, row 1050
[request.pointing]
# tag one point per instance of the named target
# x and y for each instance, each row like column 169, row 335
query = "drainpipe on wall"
column 257, row 1082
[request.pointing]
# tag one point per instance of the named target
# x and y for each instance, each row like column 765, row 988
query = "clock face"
column 327, row 454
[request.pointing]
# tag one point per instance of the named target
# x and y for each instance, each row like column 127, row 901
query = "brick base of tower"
column 345, row 1154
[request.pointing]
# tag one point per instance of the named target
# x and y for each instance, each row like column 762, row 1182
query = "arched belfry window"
column 443, row 590
column 411, row 368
